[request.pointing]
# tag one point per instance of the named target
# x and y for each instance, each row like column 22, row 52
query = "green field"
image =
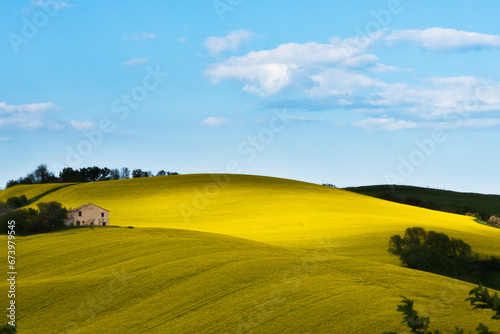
column 455, row 200
column 233, row 254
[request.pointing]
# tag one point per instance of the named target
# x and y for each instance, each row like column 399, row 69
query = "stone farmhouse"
column 88, row 215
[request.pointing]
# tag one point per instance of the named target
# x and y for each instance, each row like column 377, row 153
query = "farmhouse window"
column 102, row 214
column 79, row 213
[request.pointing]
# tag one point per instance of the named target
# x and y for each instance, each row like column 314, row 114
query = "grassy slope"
column 176, row 281
column 188, row 281
column 271, row 210
column 31, row 191
column 455, row 200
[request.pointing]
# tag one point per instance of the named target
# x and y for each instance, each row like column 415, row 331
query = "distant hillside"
column 486, row 205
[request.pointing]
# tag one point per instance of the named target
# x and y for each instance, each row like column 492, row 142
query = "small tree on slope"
column 480, row 298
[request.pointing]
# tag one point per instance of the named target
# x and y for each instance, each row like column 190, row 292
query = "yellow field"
column 29, row 190
column 231, row 254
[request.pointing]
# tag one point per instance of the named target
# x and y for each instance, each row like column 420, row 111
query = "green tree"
column 8, row 329
column 22, row 217
column 17, row 202
column 42, row 174
column 437, row 253
column 480, row 298
column 137, row 173
column 124, row 173
column 68, row 174
column 114, row 174
column 4, row 208
column 50, row 217
column 14, row 202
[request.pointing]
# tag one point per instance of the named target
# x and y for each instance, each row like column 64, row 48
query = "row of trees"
column 415, row 201
column 46, row 218
column 437, row 253
column 86, row 174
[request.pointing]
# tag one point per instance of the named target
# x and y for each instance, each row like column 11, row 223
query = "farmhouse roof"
column 83, row 206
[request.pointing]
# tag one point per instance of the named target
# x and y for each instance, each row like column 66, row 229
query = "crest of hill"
column 186, row 280
column 457, row 201
column 272, row 210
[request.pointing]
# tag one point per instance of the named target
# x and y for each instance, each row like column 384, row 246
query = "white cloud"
column 149, row 35
column 314, row 67
column 342, row 74
column 217, row 45
column 31, row 108
column 292, row 119
column 54, row 125
column 445, row 39
column 444, row 97
column 391, row 124
column 340, row 82
column 134, row 61
column 481, row 123
column 59, row 4
column 141, row 36
column 5, row 138
column 82, row 126
column 26, row 116
column 23, row 120
column 214, row 122
column 385, row 123
column 304, row 119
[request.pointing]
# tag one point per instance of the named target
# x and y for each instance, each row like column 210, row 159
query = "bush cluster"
column 437, row 253
column 49, row 217
column 494, row 221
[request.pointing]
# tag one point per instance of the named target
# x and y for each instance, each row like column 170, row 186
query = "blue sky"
column 348, row 93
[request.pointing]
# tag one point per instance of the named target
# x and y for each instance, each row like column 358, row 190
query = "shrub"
column 4, row 208
column 21, row 216
column 494, row 221
column 437, row 253
column 17, row 202
column 50, row 217
column 481, row 299
column 8, row 329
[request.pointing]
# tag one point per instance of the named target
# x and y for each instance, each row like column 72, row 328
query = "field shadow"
column 36, row 198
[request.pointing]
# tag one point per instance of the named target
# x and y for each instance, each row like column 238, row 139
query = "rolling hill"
column 455, row 200
column 232, row 254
